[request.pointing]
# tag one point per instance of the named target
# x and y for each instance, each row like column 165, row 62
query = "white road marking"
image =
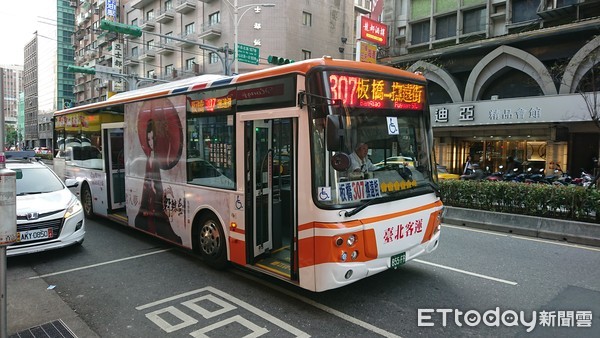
column 235, row 301
column 100, row 264
column 475, row 230
column 322, row 307
column 533, row 239
column 466, row 272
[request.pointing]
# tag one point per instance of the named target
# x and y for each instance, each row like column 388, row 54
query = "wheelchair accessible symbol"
column 392, row 123
column 324, row 194
column 238, row 203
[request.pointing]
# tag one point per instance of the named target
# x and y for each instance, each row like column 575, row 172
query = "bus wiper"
column 366, row 204
column 360, row 208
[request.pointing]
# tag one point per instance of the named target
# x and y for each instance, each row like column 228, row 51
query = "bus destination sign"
column 359, row 92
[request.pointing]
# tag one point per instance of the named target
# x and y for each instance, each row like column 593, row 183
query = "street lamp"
column 236, row 23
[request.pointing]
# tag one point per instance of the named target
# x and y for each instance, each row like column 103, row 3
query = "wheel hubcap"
column 210, row 241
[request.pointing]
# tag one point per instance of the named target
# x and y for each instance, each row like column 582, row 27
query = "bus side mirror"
column 335, row 136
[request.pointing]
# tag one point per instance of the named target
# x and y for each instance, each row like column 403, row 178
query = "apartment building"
column 11, row 77
column 184, row 38
column 47, row 84
column 507, row 77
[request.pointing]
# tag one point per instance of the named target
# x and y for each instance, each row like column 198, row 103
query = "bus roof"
column 212, row 80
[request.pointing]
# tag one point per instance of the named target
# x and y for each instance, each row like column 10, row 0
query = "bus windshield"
column 366, row 146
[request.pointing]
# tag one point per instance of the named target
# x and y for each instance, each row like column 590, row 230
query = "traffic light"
column 77, row 69
column 120, row 28
column 276, row 60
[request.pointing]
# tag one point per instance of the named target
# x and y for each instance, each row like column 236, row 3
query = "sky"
column 19, row 19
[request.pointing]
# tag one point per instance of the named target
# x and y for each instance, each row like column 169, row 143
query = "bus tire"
column 87, row 202
column 212, row 242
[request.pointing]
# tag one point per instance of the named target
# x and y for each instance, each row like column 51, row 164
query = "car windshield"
column 36, row 180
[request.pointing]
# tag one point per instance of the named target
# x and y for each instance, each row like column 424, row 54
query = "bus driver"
column 359, row 161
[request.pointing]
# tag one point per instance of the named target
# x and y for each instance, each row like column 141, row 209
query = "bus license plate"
column 398, row 260
column 32, row 235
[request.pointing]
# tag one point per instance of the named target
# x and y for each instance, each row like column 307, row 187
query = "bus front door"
column 262, row 183
column 271, row 199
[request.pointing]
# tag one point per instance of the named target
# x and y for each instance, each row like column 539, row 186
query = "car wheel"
column 212, row 242
column 87, row 202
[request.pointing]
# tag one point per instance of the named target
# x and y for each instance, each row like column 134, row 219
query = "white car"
column 49, row 215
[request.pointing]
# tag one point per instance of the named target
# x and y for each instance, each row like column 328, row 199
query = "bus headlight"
column 354, row 255
column 344, row 256
column 73, row 208
column 339, row 241
column 351, row 240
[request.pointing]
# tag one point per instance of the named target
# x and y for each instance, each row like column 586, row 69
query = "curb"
column 547, row 228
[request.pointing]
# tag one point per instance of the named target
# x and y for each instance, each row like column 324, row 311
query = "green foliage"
column 543, row 200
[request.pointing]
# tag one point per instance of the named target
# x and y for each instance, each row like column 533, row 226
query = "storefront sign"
column 562, row 108
column 371, row 30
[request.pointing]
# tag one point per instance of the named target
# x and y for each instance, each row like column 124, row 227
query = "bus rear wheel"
column 212, row 242
column 87, row 202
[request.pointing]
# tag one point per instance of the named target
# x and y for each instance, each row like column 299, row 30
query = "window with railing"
column 213, row 58
column 445, row 27
column 474, row 21
column 306, row 54
column 214, row 18
column 189, row 28
column 524, row 10
column 306, row 19
column 168, row 4
column 150, row 14
column 420, row 33
column 189, row 64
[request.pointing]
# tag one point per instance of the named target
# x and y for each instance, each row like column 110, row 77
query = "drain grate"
column 55, row 329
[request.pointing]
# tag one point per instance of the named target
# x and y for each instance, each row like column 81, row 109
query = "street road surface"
column 123, row 283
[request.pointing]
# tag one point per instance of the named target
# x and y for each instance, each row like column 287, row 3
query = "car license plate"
column 398, row 260
column 33, row 235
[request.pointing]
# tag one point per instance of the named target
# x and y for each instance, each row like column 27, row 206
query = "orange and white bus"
column 258, row 169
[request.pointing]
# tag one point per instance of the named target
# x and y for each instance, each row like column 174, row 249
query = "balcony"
column 131, row 61
column 185, row 6
column 105, row 38
column 148, row 54
column 147, row 25
column 78, row 88
column 191, row 39
column 166, row 16
column 210, row 32
column 557, row 9
column 140, row 4
column 90, row 54
column 206, row 1
column 167, row 46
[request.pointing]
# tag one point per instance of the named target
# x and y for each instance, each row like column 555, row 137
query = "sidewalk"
column 35, row 310
column 548, row 228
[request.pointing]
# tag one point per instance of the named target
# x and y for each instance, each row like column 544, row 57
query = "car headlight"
column 73, row 208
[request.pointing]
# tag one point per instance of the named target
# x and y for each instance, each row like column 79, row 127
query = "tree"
column 11, row 137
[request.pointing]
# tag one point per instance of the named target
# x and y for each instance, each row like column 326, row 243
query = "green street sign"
column 247, row 54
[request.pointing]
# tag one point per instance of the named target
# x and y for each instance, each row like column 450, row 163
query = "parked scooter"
column 497, row 175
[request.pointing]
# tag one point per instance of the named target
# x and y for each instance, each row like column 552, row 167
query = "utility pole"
column 8, row 210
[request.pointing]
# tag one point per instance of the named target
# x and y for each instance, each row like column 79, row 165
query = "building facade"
column 507, row 78
column 184, row 38
column 11, row 77
column 47, row 84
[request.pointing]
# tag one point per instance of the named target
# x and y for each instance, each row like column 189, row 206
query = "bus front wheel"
column 212, row 242
column 87, row 202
